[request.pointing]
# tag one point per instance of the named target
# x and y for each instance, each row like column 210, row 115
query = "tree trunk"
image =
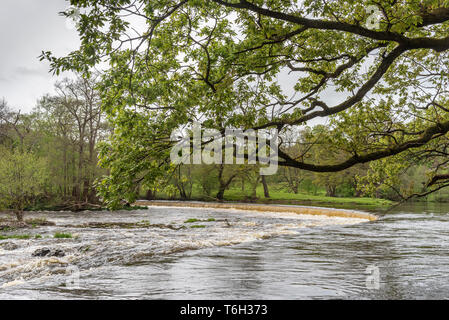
column 65, row 170
column 295, row 189
column 80, row 171
column 221, row 191
column 331, row 191
column 265, row 187
column 150, row 195
column 86, row 185
column 182, row 192
column 19, row 215
column 254, row 188
column 75, row 192
column 223, row 184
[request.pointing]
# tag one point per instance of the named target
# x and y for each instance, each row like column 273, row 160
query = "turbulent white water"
column 91, row 249
column 262, row 255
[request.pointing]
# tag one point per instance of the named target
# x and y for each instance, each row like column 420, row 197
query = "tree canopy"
column 260, row 64
column 22, row 179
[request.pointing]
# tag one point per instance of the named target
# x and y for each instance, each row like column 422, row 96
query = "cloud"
column 31, row 71
column 28, row 27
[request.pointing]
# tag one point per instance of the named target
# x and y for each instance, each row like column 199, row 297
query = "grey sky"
column 27, row 27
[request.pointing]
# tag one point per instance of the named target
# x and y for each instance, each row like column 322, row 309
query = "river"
column 232, row 254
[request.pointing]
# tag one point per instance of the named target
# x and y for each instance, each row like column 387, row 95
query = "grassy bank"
column 284, row 197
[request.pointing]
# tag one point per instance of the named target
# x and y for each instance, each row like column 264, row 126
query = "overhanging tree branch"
column 429, row 134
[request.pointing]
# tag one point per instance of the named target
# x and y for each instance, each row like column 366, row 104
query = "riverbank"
column 264, row 208
column 300, row 199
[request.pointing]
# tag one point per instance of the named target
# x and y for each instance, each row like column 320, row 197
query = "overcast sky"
column 27, row 27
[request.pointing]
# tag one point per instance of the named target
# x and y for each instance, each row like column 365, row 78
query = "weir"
column 265, row 208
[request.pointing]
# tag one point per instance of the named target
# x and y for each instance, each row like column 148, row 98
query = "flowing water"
column 240, row 255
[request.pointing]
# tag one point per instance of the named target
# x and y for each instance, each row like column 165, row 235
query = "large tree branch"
column 429, row 134
column 434, row 17
column 361, row 93
column 437, row 179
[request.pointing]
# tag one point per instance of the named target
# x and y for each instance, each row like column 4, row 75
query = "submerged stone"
column 58, row 253
column 41, row 252
column 47, row 252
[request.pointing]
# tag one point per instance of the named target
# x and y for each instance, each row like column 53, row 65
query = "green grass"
column 193, row 220
column 282, row 196
column 16, row 236
column 144, row 223
column 236, row 195
column 62, row 235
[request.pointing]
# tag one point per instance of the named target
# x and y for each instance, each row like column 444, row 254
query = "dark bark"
column 265, row 187
column 295, row 189
column 150, row 194
column 223, row 183
column 19, row 215
column 437, row 179
column 331, row 191
column 431, row 133
column 220, row 194
column 436, row 16
column 182, row 191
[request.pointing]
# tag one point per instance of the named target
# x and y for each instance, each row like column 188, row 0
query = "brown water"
column 241, row 255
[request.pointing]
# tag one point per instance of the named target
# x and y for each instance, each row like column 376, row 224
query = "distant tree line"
column 51, row 157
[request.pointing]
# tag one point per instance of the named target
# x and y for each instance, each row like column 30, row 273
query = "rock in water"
column 47, row 252
column 41, row 252
column 58, row 253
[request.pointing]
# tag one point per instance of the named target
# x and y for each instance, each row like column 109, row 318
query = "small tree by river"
column 22, row 180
